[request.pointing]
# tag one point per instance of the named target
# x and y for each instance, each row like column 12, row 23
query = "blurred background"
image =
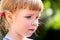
column 49, row 27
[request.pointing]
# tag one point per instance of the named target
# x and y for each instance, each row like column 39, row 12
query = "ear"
column 9, row 16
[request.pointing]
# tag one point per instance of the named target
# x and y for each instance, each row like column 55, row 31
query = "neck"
column 14, row 36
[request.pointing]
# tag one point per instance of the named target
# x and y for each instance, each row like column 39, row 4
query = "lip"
column 31, row 30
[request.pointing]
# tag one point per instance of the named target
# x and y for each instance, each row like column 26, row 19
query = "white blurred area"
column 27, row 38
column 49, row 12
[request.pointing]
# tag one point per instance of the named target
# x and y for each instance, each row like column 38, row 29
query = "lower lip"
column 31, row 29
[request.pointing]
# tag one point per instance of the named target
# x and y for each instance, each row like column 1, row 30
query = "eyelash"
column 30, row 17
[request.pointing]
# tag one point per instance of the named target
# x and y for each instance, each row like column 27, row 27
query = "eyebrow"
column 30, row 14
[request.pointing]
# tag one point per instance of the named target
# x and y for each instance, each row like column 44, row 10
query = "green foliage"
column 47, row 4
column 54, row 22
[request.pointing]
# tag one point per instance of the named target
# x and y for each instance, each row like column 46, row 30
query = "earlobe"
column 8, row 16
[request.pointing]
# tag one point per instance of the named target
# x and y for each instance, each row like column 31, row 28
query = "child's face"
column 26, row 22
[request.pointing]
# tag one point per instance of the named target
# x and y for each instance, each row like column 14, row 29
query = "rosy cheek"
column 27, row 24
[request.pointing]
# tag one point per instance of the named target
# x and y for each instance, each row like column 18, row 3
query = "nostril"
column 34, row 24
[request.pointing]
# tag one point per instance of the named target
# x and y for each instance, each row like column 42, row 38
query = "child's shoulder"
column 5, row 38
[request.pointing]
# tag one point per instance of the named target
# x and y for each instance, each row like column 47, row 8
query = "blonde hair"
column 13, row 5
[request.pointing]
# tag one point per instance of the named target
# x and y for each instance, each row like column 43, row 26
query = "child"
column 20, row 18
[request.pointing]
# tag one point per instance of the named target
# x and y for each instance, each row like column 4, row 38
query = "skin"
column 23, row 23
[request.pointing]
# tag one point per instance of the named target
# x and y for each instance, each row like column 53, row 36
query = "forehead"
column 28, row 12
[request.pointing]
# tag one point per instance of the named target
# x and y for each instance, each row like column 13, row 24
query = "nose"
column 34, row 23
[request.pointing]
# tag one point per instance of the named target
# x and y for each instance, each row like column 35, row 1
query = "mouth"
column 31, row 30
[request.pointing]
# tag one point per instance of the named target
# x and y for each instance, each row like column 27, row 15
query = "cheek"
column 26, row 23
column 23, row 23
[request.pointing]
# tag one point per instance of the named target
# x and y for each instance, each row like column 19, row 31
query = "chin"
column 28, row 35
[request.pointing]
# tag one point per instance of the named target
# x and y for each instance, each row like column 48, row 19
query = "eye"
column 28, row 17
